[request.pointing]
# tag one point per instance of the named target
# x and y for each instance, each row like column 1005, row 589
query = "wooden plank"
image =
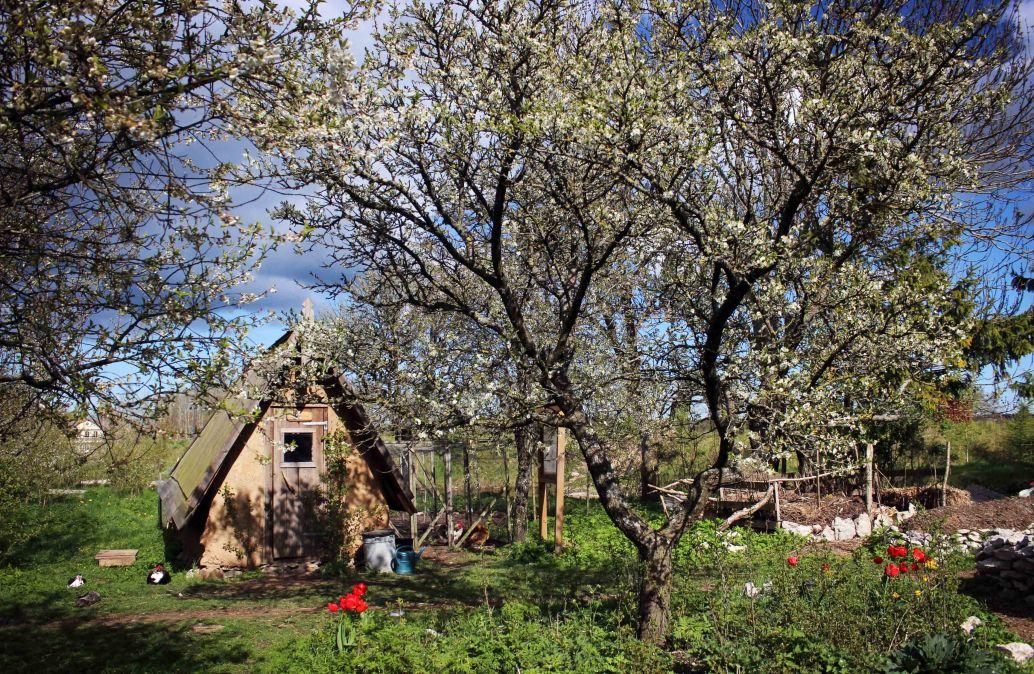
column 448, row 496
column 116, row 557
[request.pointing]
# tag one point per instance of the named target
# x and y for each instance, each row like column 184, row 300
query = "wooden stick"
column 466, row 533
column 746, row 512
column 947, row 471
column 414, row 532
column 430, row 527
column 778, row 512
column 868, row 477
column 448, row 493
column 558, row 523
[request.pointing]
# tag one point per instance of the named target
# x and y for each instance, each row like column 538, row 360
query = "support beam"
column 558, row 524
column 414, row 533
column 868, row 477
column 450, row 537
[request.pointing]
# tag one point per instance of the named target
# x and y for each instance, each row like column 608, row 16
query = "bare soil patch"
column 1005, row 513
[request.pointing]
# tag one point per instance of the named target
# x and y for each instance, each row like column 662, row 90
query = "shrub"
column 943, row 653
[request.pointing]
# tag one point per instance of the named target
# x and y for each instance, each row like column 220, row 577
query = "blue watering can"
column 405, row 559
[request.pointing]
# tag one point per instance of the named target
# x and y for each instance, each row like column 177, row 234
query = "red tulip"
column 360, row 606
column 915, row 566
column 350, row 602
column 904, row 567
column 333, row 608
column 792, row 561
column 891, row 570
column 359, row 589
column 877, row 560
column 919, row 555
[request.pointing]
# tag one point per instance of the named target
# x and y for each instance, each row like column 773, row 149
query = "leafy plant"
column 941, row 653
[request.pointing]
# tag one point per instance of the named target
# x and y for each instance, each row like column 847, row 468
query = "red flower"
column 333, row 608
column 825, row 567
column 915, row 566
column 360, row 606
column 919, row 555
column 877, row 560
column 792, row 561
column 350, row 602
column 891, row 570
column 359, row 589
column 904, row 567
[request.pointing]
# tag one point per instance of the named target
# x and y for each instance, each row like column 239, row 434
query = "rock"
column 827, row 534
column 88, row 599
column 843, row 529
column 1006, row 554
column 1026, row 493
column 735, row 548
column 970, row 624
column 817, row 528
column 992, row 565
column 1017, row 650
column 211, row 574
column 863, row 525
column 794, row 528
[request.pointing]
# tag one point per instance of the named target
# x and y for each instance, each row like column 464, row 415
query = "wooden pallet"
column 116, row 557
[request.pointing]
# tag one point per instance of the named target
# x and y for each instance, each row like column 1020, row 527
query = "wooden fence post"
column 558, row 524
column 947, row 470
column 868, row 477
column 414, row 533
column 449, row 524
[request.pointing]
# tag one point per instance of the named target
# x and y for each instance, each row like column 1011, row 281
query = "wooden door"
column 297, row 465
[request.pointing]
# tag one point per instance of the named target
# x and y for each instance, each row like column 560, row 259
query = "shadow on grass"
column 121, row 648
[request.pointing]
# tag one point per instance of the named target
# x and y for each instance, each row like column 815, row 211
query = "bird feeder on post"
column 551, row 471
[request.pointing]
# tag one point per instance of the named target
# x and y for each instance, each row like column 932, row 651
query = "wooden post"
column 778, row 512
column 558, row 524
column 449, row 524
column 506, row 492
column 413, row 532
column 947, row 470
column 543, row 506
column 868, row 477
column 469, row 509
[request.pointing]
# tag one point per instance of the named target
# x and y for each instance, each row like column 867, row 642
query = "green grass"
column 568, row 611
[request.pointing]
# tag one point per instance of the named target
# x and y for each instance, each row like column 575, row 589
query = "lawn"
column 520, row 607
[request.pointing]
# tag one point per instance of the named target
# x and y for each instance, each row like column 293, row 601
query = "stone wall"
column 1008, row 557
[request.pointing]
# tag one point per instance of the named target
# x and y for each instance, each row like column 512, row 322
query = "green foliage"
column 516, row 638
column 943, row 653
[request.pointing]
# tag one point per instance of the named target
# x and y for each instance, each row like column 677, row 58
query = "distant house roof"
column 194, row 474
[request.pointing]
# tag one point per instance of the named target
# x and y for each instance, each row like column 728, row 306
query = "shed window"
column 297, row 447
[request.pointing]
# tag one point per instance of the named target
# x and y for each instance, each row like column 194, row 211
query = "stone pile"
column 1008, row 557
column 846, row 528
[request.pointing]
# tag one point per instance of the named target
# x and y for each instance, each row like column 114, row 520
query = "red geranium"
column 792, row 561
column 891, row 570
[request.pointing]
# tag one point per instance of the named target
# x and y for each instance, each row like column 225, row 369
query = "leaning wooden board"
column 116, row 557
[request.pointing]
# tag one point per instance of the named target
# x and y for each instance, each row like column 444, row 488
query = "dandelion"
column 919, row 593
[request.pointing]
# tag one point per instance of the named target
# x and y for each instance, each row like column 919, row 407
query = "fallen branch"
column 746, row 512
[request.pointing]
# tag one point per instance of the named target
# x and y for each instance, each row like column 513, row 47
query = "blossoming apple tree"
column 778, row 189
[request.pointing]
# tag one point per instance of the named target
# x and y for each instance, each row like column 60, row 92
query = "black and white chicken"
column 159, row 576
column 78, row 581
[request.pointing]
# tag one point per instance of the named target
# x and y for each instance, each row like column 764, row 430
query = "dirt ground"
column 1010, row 513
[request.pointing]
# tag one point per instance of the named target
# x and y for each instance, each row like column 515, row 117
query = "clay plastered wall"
column 234, row 533
column 362, row 490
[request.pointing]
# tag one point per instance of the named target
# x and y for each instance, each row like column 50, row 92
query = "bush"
column 823, row 614
column 943, row 653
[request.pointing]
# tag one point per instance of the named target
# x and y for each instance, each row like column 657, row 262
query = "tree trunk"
column 649, row 468
column 655, row 593
column 523, row 438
